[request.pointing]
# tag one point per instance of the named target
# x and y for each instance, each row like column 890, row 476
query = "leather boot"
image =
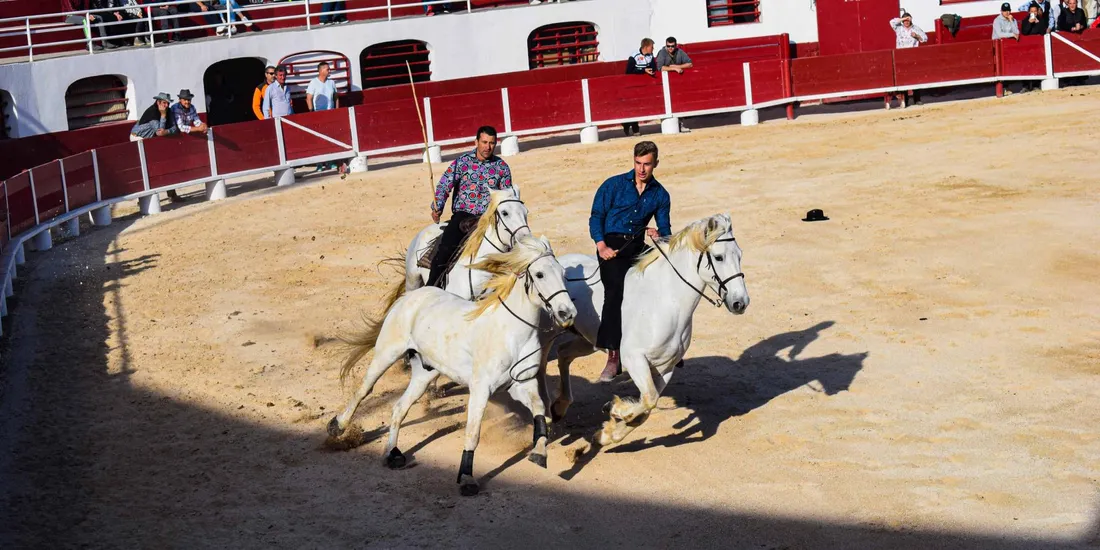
column 613, row 367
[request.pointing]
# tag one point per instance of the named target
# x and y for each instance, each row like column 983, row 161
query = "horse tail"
column 359, row 345
column 398, row 290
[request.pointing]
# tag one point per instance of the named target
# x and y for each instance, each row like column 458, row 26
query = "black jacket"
column 152, row 113
column 1067, row 20
column 1028, row 28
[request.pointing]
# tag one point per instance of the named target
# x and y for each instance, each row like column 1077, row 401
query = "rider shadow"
column 716, row 389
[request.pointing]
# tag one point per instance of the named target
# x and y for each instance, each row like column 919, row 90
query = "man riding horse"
column 623, row 206
column 471, row 176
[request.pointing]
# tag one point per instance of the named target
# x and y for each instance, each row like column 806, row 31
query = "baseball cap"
column 1006, row 7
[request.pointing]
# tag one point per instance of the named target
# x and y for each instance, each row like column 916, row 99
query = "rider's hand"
column 435, row 216
column 605, row 252
column 652, row 232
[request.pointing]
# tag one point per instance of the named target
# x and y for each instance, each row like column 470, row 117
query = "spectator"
column 94, row 20
column 672, row 58
column 1035, row 24
column 444, row 7
column 321, row 96
column 1072, row 19
column 1005, row 26
column 168, row 22
column 277, row 97
column 641, row 62
column 908, row 36
column 114, row 20
column 261, row 90
column 187, row 117
column 157, row 121
column 334, row 19
column 1049, row 12
column 214, row 12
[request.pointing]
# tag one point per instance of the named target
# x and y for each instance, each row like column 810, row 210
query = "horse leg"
column 475, row 410
column 527, row 393
column 566, row 355
column 627, row 414
column 382, row 361
column 418, row 383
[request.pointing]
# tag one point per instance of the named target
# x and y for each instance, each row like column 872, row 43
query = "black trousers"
column 613, row 274
column 449, row 243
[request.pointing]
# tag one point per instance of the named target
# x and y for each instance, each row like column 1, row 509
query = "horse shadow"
column 715, row 389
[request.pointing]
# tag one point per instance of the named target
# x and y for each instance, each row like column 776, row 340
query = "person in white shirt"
column 908, row 36
column 321, row 96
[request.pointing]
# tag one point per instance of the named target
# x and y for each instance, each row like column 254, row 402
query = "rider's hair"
column 487, row 130
column 644, row 148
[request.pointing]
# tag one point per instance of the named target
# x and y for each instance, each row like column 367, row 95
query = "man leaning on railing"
column 1005, row 26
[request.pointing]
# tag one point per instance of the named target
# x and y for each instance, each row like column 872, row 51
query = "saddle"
column 426, row 258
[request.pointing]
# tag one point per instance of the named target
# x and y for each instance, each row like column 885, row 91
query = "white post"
column 43, row 241
column 88, row 33
column 30, row 44
column 285, row 175
column 669, row 124
column 359, row 163
column 149, row 19
column 149, row 204
column 749, row 117
column 468, row 7
column 95, row 172
column 389, row 10
column 1049, row 83
column 590, row 133
column 101, row 217
column 308, row 27
column 434, row 153
column 64, row 183
column 71, row 227
column 215, row 190
column 34, row 197
column 509, row 146
column 20, row 255
column 229, row 19
column 279, row 139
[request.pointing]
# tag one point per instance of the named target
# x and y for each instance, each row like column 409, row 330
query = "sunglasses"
column 270, row 74
column 670, row 47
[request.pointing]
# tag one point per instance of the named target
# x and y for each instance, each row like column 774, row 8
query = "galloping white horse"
column 660, row 295
column 504, row 222
column 482, row 344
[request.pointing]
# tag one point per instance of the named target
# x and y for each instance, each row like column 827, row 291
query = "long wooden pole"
column 423, row 130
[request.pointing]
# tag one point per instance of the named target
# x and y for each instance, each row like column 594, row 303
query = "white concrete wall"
column 462, row 45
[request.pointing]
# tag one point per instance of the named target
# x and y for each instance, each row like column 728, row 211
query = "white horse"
column 482, row 344
column 660, row 295
column 504, row 222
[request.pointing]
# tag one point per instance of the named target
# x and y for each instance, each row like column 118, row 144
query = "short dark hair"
column 487, row 130
column 647, row 42
column 281, row 69
column 322, row 64
column 671, row 39
column 644, row 148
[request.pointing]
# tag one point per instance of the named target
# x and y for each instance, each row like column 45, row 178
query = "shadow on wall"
column 89, row 459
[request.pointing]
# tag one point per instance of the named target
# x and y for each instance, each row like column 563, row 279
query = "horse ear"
column 515, row 191
column 713, row 225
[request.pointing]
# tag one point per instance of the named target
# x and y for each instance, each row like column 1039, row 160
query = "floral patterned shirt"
column 471, row 180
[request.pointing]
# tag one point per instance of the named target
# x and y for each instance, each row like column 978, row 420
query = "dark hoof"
column 555, row 417
column 468, row 486
column 334, row 428
column 538, row 459
column 396, row 460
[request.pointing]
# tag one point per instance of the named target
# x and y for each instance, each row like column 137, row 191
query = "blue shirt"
column 618, row 208
column 277, row 101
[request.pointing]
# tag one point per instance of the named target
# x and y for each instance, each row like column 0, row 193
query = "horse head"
column 719, row 264
column 532, row 260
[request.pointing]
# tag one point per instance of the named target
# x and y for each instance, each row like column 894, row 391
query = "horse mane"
column 699, row 235
column 473, row 242
column 505, row 269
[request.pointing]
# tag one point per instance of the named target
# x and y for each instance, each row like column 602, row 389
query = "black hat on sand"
column 815, row 215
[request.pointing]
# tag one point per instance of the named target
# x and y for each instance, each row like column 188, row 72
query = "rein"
column 710, row 263
column 546, row 302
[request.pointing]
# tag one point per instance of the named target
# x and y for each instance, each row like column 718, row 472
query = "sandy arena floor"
column 922, row 371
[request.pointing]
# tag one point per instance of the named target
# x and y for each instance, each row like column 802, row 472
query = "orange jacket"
column 258, row 100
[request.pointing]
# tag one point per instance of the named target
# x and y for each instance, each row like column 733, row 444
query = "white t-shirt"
column 324, row 94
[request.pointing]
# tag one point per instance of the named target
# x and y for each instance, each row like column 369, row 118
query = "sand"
column 921, row 371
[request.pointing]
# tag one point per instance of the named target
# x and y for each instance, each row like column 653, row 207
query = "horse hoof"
column 538, row 459
column 468, row 486
column 334, row 427
column 555, row 417
column 395, row 460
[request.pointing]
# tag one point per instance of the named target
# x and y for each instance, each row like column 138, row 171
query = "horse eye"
column 538, row 275
column 505, row 214
column 718, row 258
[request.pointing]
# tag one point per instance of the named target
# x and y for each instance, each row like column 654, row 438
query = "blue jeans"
column 219, row 6
column 328, row 7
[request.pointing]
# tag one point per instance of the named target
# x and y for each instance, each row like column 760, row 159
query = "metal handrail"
column 32, row 26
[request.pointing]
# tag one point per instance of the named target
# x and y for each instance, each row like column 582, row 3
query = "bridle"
column 527, row 284
column 499, row 221
column 722, row 290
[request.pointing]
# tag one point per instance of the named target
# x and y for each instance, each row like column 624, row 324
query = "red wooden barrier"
column 20, row 203
column 5, row 237
column 843, row 73
column 387, row 124
column 245, row 146
column 769, row 80
column 626, row 96
column 1068, row 59
column 80, row 180
column 546, row 105
column 979, row 27
column 48, row 191
column 21, row 154
column 333, row 123
column 459, row 116
column 119, row 170
column 176, row 159
column 960, row 61
column 709, row 87
column 1027, row 57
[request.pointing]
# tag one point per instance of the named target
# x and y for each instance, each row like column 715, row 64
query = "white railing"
column 32, row 26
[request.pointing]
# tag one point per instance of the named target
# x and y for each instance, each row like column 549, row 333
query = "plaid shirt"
column 471, row 180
